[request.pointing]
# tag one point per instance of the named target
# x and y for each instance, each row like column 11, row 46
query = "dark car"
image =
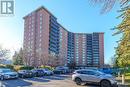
column 58, row 71
column 61, row 70
column 25, row 73
column 38, row 72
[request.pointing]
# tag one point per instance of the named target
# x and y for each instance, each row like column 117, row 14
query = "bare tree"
column 107, row 5
column 62, row 58
column 44, row 59
column 26, row 59
column 55, row 60
column 4, row 54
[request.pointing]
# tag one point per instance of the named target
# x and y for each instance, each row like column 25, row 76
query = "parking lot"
column 46, row 81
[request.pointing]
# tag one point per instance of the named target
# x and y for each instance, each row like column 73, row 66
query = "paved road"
column 46, row 81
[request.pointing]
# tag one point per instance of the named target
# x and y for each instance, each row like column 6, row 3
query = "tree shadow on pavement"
column 15, row 83
column 38, row 79
column 62, row 76
column 54, row 78
column 91, row 85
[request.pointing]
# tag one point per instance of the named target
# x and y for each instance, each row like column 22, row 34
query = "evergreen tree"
column 18, row 57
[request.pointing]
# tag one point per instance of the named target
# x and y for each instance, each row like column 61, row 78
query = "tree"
column 26, row 59
column 55, row 60
column 123, row 49
column 72, row 65
column 4, row 54
column 18, row 57
column 107, row 5
column 114, row 61
column 44, row 59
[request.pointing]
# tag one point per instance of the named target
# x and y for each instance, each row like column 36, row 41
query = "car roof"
column 24, row 70
column 86, row 70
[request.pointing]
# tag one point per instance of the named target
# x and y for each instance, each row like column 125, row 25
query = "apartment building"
column 44, row 36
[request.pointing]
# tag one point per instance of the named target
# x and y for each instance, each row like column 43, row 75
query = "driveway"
column 46, row 81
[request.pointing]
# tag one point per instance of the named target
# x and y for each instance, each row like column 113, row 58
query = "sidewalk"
column 121, row 85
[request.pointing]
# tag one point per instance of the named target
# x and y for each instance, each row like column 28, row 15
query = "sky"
column 74, row 15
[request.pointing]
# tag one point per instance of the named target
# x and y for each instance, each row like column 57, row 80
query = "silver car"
column 7, row 74
column 93, row 77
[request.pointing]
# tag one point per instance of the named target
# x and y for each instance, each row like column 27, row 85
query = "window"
column 88, row 72
column 40, row 31
column 32, row 33
column 40, row 26
column 40, row 45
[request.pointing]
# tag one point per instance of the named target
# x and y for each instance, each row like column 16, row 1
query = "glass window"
column 88, row 72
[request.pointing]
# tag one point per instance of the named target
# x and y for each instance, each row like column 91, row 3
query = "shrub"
column 17, row 67
column 7, row 66
column 47, row 67
column 2, row 66
column 10, row 66
column 26, row 68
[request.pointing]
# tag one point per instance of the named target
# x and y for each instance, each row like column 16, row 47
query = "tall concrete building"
column 44, row 36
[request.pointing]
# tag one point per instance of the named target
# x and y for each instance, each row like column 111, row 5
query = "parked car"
column 38, row 72
column 61, row 70
column 7, row 74
column 25, row 73
column 47, row 72
column 58, row 71
column 93, row 77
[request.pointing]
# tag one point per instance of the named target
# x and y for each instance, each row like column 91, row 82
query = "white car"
column 93, row 77
column 7, row 74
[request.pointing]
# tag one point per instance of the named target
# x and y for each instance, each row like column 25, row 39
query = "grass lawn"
column 127, row 78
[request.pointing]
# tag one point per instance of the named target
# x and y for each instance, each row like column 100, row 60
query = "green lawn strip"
column 127, row 79
column 127, row 74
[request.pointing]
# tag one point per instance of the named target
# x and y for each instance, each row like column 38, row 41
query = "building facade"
column 44, row 36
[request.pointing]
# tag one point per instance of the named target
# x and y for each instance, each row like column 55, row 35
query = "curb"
column 123, row 85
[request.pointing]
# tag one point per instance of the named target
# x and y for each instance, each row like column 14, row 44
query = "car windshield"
column 99, row 73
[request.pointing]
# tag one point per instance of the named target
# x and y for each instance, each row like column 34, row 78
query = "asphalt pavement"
column 45, row 81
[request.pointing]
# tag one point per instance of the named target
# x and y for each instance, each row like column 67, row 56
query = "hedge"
column 47, row 67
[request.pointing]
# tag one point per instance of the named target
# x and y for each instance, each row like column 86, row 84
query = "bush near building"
column 2, row 66
column 10, row 66
column 7, row 66
column 47, row 67
column 21, row 67
column 26, row 68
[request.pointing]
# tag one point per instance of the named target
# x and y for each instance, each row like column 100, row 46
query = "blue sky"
column 74, row 15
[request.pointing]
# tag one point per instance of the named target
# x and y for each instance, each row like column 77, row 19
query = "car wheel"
column 105, row 83
column 78, row 81
column 2, row 78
